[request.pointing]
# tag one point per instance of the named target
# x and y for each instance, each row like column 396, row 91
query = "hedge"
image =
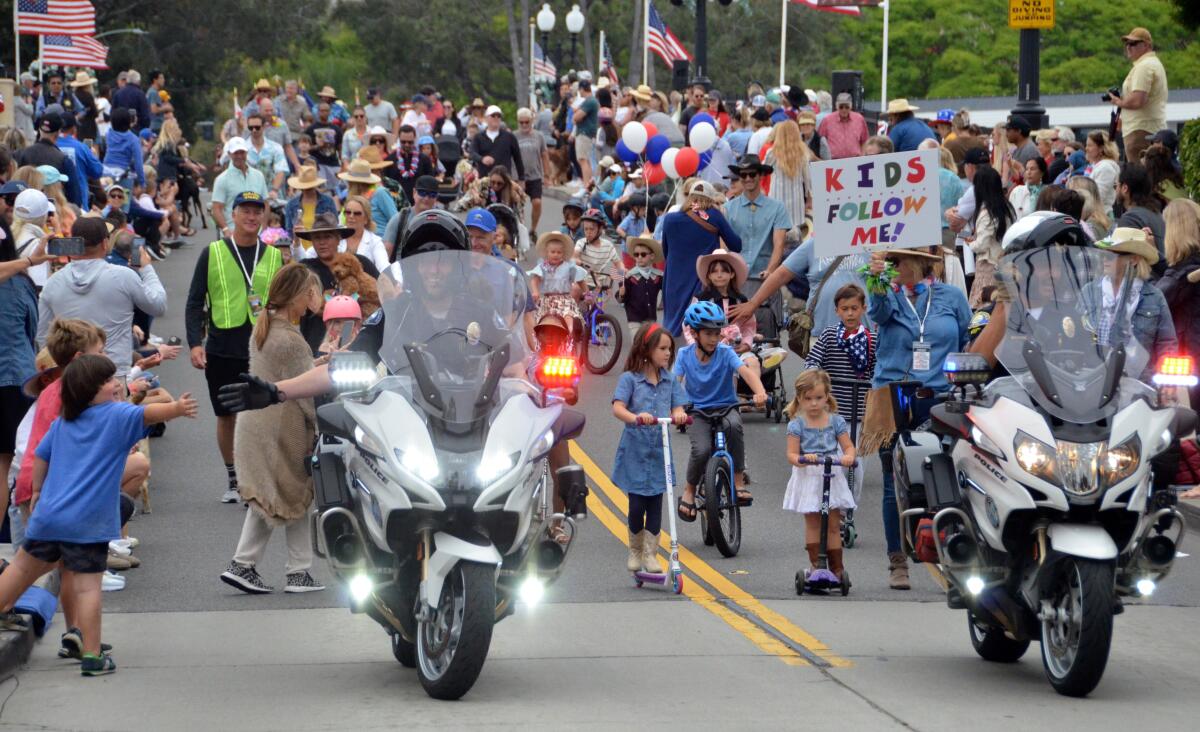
column 1189, row 155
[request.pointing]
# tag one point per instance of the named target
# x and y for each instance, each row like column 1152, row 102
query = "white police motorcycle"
column 433, row 488
column 1034, row 494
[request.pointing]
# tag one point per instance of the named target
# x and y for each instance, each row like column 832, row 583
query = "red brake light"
column 558, row 371
column 1176, row 371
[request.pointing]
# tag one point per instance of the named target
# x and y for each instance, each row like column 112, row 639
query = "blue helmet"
column 704, row 314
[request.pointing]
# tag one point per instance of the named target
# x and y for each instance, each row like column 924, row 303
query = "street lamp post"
column 701, row 76
column 545, row 23
column 1029, row 103
column 575, row 21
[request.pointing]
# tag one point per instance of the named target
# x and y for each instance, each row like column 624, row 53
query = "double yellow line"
column 767, row 629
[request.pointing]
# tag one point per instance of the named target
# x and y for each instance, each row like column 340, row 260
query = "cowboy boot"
column 634, row 562
column 835, row 561
column 898, row 571
column 814, row 554
column 650, row 553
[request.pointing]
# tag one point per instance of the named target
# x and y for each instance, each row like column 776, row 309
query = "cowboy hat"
column 325, row 223
column 740, row 270
column 555, row 236
column 327, row 91
column 373, row 156
column 48, row 372
column 648, row 242
column 1128, row 240
column 306, row 178
column 643, row 93
column 83, row 78
column 360, row 172
column 921, row 253
column 750, row 162
column 900, row 106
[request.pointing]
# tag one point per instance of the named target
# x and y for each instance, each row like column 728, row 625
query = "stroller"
column 766, row 348
column 449, row 153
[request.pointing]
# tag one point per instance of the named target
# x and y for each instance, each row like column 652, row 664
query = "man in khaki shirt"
column 1143, row 99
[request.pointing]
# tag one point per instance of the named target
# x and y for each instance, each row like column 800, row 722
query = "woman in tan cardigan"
column 273, row 443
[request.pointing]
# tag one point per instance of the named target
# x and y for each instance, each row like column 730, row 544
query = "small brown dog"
column 352, row 280
column 559, row 170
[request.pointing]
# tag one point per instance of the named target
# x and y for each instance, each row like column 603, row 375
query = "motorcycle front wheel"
column 452, row 647
column 1077, row 626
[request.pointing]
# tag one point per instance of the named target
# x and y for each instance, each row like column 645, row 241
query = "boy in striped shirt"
column 596, row 254
column 846, row 351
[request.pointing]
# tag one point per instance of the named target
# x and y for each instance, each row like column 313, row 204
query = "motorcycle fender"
column 517, row 428
column 1084, row 541
column 392, row 423
column 448, row 551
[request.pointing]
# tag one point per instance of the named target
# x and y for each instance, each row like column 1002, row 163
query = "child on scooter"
column 707, row 368
column 814, row 431
column 645, row 392
column 555, row 282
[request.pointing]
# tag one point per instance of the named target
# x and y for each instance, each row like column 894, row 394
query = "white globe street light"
column 545, row 18
column 575, row 19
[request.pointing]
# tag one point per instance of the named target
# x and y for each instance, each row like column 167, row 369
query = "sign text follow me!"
column 876, row 202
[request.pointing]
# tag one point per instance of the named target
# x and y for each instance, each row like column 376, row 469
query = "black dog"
column 189, row 199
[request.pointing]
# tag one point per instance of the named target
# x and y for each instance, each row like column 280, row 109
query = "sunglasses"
column 843, row 106
column 360, row 116
column 379, row 141
column 427, row 194
column 494, row 115
column 350, row 212
column 10, row 200
column 748, row 176
column 407, row 143
column 639, row 255
column 116, row 194
column 254, row 128
column 1131, row 44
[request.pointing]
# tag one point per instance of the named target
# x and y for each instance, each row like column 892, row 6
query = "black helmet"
column 1042, row 228
column 660, row 201
column 431, row 231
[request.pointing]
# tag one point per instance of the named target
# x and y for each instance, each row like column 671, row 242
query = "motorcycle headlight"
column 352, row 371
column 542, row 446
column 494, row 466
column 1035, row 457
column 1079, row 466
column 420, row 463
column 366, row 442
column 1119, row 462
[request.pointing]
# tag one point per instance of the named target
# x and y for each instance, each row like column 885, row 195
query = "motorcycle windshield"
column 454, row 322
column 1067, row 333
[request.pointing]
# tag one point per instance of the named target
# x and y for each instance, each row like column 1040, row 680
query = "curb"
column 15, row 649
column 1190, row 508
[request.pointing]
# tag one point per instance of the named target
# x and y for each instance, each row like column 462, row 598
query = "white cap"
column 492, row 110
column 376, row 130
column 236, row 144
column 31, row 204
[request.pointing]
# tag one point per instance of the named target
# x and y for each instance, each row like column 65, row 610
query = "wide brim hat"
column 919, row 253
column 750, row 162
column 648, row 242
column 551, row 236
column 1128, row 240
column 262, row 84
column 741, row 271
column 360, row 172
column 306, row 178
column 327, row 91
column 83, row 78
column 325, row 224
column 373, row 157
column 900, row 106
column 643, row 93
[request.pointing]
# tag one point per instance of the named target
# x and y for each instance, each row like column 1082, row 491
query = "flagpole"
column 646, row 40
column 41, row 64
column 533, row 105
column 783, row 42
column 887, row 6
column 17, row 40
column 601, row 62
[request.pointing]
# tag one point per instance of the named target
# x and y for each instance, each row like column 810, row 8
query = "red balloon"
column 651, row 130
column 687, row 161
column 653, row 173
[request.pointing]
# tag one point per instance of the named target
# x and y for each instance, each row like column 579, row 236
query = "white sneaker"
column 112, row 582
column 129, row 541
column 120, row 549
column 231, row 496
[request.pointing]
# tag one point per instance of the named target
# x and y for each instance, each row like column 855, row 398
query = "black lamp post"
column 1029, row 105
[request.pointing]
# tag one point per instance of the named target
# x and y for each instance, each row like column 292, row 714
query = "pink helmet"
column 342, row 306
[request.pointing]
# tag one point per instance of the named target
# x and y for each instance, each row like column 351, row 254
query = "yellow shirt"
column 1147, row 75
column 308, row 215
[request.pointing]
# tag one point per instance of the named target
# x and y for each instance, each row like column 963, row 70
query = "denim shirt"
column 1153, row 328
column 291, row 212
column 18, row 329
column 638, row 465
column 945, row 332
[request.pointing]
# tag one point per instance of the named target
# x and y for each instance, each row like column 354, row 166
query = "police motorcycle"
column 431, row 474
column 1034, row 493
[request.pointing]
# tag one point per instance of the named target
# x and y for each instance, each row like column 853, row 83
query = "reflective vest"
column 227, row 295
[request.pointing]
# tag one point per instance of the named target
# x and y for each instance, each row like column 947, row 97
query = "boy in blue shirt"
column 634, row 223
column 707, row 368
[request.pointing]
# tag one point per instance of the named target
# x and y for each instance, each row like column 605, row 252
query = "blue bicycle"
column 716, row 495
column 601, row 343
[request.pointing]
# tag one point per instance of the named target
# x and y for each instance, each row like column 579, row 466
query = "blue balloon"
column 624, row 153
column 705, row 159
column 701, row 117
column 655, row 147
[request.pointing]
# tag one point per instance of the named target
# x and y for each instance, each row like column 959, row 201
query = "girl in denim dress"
column 645, row 393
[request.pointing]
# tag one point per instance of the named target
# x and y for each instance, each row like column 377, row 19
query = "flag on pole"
column 607, row 67
column 68, row 17
column 82, row 51
column 542, row 66
column 829, row 8
column 662, row 41
column 237, row 106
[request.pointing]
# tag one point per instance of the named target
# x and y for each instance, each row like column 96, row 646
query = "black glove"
column 252, row 393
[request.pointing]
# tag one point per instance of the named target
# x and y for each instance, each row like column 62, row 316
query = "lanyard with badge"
column 252, row 299
column 921, row 351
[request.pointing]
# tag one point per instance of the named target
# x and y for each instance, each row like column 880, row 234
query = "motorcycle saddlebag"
column 941, row 482
column 329, row 481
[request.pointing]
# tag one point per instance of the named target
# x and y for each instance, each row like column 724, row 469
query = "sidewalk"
column 15, row 646
column 1190, row 508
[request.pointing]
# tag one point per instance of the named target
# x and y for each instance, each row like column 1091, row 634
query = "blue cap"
column 147, row 134
column 1078, row 162
column 249, row 197
column 51, row 175
column 945, row 115
column 482, row 219
column 11, row 188
column 425, row 140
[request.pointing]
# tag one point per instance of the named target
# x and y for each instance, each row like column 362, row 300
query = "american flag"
column 70, row 17
column 607, row 67
column 819, row 5
column 542, row 66
column 82, row 51
column 662, row 41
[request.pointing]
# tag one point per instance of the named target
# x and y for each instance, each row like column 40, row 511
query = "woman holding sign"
column 920, row 322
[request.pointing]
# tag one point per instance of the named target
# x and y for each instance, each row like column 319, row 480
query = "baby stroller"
column 449, row 153
column 766, row 348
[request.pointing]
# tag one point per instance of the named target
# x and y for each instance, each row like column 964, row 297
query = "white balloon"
column 668, row 162
column 703, row 136
column 634, row 135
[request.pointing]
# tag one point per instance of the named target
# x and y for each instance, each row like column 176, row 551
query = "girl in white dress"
column 814, row 431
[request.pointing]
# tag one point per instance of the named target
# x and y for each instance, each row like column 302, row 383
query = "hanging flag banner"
column 876, row 202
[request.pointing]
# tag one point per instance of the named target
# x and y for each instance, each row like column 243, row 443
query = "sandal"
column 559, row 535
column 744, row 498
column 681, row 505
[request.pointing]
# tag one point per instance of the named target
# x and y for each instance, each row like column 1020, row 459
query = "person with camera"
column 1142, row 97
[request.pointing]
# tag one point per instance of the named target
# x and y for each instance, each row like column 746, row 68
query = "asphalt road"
column 739, row 649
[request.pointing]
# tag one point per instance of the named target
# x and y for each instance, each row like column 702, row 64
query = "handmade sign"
column 876, row 202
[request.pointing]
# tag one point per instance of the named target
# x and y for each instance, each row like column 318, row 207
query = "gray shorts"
column 583, row 147
column 700, row 434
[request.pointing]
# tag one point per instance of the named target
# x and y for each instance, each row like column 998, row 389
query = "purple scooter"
column 821, row 581
column 673, row 578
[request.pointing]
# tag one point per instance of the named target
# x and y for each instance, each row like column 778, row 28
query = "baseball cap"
column 114, row 187
column 51, row 175
column 12, row 188
column 976, row 156
column 50, row 123
column 1138, row 34
column 376, row 131
column 844, row 98
column 249, row 197
column 1018, row 123
column 31, row 204
column 419, row 99
column 1166, row 138
column 147, row 134
column 492, row 110
column 236, row 144
column 427, row 183
column 945, row 115
column 482, row 219
column 774, row 98
column 758, row 100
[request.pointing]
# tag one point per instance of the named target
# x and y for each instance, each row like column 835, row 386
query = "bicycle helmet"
column 431, row 231
column 576, row 202
column 1043, row 228
column 342, row 307
column 704, row 314
column 978, row 322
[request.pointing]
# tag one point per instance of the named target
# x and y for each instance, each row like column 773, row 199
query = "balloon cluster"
column 662, row 161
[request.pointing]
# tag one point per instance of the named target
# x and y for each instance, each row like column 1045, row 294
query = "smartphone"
column 65, row 246
column 347, row 332
column 135, row 251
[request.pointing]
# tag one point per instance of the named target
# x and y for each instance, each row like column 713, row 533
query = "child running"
column 645, row 392
column 814, row 431
column 707, row 368
column 76, row 489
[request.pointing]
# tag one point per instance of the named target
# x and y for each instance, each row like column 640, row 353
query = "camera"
column 1113, row 91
